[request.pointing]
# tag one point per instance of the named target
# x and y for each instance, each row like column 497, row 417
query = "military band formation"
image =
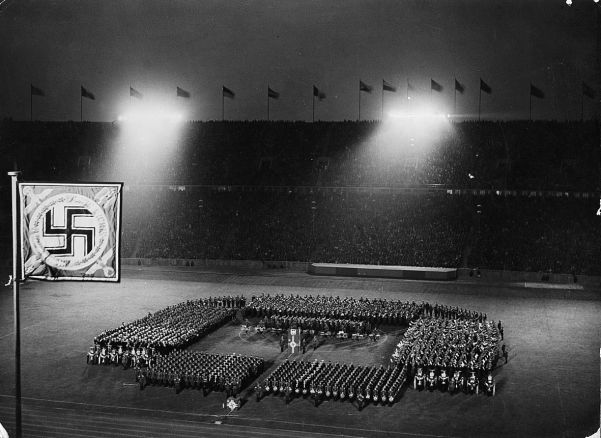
column 445, row 348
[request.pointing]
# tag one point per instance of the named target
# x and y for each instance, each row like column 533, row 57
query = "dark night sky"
column 200, row 45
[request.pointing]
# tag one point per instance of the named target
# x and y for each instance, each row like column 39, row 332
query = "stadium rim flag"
column 435, row 85
column 180, row 92
column 364, row 87
column 135, row 93
column 70, row 231
column 318, row 93
column 35, row 91
column 459, row 86
column 272, row 93
column 85, row 93
column 536, row 92
column 485, row 87
column 387, row 87
column 227, row 92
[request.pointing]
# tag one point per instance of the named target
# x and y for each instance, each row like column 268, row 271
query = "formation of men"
column 449, row 344
column 198, row 370
column 174, row 327
column 374, row 311
column 458, row 347
column 334, row 381
column 325, row 326
column 109, row 355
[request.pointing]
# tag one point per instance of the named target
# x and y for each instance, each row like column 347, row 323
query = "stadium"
column 191, row 248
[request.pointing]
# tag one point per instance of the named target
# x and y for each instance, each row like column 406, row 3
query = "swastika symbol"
column 69, row 231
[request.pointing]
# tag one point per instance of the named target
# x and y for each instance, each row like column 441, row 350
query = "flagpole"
column 479, row 102
column 382, row 110
column 455, row 111
column 359, row 101
column 14, row 177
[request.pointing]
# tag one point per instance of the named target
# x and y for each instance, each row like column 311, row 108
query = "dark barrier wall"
column 406, row 272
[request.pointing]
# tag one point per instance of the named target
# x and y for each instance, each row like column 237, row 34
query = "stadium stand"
column 324, row 192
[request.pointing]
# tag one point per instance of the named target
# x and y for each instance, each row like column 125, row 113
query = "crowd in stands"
column 335, row 225
column 430, row 229
column 534, row 234
column 517, row 154
column 328, row 227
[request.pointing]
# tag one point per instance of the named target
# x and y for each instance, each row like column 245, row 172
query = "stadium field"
column 548, row 388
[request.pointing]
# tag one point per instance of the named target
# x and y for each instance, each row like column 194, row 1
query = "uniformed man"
column 258, row 391
column 315, row 342
column 360, row 400
column 90, row 355
column 489, row 385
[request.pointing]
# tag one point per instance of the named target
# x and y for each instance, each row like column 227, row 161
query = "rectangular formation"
column 449, row 341
column 181, row 369
column 406, row 272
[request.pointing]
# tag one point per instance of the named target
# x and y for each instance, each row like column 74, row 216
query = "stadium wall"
column 485, row 275
column 210, row 263
column 492, row 275
column 405, row 272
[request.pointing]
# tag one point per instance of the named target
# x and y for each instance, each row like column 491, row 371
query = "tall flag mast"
column 225, row 92
column 458, row 87
column 386, row 87
column 271, row 94
column 587, row 91
column 536, row 92
column 486, row 88
column 366, row 88
column 88, row 95
column 320, row 95
column 61, row 232
column 34, row 91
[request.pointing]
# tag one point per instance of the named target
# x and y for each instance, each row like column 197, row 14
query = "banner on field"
column 70, row 231
column 294, row 340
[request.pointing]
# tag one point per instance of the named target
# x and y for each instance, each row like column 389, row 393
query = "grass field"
column 549, row 388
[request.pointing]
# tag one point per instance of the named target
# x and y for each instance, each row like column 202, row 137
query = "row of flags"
column 587, row 90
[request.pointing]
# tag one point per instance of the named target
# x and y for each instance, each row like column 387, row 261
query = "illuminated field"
column 548, row 388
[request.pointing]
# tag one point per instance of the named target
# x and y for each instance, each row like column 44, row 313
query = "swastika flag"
column 70, row 231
